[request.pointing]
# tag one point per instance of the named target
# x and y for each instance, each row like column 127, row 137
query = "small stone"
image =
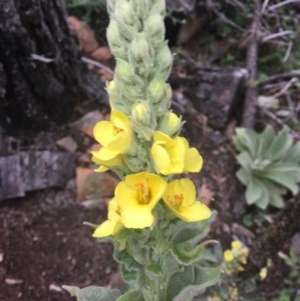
column 85, row 35
column 1, row 257
column 68, row 144
column 87, row 122
column 11, row 281
column 102, row 54
column 94, row 186
column 55, row 288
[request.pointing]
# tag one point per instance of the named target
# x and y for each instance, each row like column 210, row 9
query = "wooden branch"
column 280, row 77
column 251, row 92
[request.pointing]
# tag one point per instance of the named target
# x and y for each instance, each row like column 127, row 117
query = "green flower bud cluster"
column 136, row 38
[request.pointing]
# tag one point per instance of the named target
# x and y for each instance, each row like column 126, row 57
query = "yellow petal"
column 99, row 159
column 180, row 198
column 107, row 228
column 160, row 157
column 228, row 256
column 154, row 185
column 194, row 213
column 236, row 245
column 120, row 142
column 126, row 195
column 168, row 154
column 103, row 132
column 137, row 218
column 184, row 187
column 193, row 161
column 120, row 120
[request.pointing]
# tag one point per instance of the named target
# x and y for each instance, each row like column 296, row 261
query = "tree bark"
column 41, row 73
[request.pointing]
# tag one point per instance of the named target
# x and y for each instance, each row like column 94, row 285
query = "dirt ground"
column 44, row 244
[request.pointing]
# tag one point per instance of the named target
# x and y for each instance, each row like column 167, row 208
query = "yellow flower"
column 263, row 273
column 192, row 160
column 137, row 196
column 228, row 256
column 106, row 164
column 115, row 136
column 171, row 156
column 236, row 245
column 180, row 198
column 113, row 224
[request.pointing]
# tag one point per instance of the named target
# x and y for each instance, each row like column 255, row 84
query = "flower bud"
column 124, row 71
column 139, row 49
column 111, row 6
column 155, row 28
column 156, row 90
column 170, row 124
column 141, row 8
column 141, row 113
column 113, row 34
column 159, row 6
column 123, row 12
column 164, row 60
column 127, row 32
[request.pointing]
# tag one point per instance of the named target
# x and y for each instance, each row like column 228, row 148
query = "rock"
column 85, row 35
column 34, row 170
column 87, row 122
column 102, row 54
column 68, row 144
column 94, row 186
column 215, row 92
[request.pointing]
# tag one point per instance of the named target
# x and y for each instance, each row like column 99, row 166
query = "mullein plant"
column 155, row 221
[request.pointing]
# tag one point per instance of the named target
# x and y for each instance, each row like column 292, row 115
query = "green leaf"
column 132, row 295
column 189, row 232
column 279, row 145
column 204, row 278
column 254, row 192
column 245, row 160
column 153, row 271
column 276, row 200
column 73, row 290
column 248, row 139
column 93, row 293
column 284, row 180
column 187, row 256
column 293, row 154
column 244, row 176
column 265, row 139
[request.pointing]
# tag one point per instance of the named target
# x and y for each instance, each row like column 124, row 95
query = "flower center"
column 143, row 193
column 116, row 130
column 175, row 200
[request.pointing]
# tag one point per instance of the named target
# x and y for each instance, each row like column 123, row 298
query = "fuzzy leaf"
column 133, row 295
column 203, row 278
column 153, row 271
column 189, row 232
column 188, row 256
column 93, row 293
